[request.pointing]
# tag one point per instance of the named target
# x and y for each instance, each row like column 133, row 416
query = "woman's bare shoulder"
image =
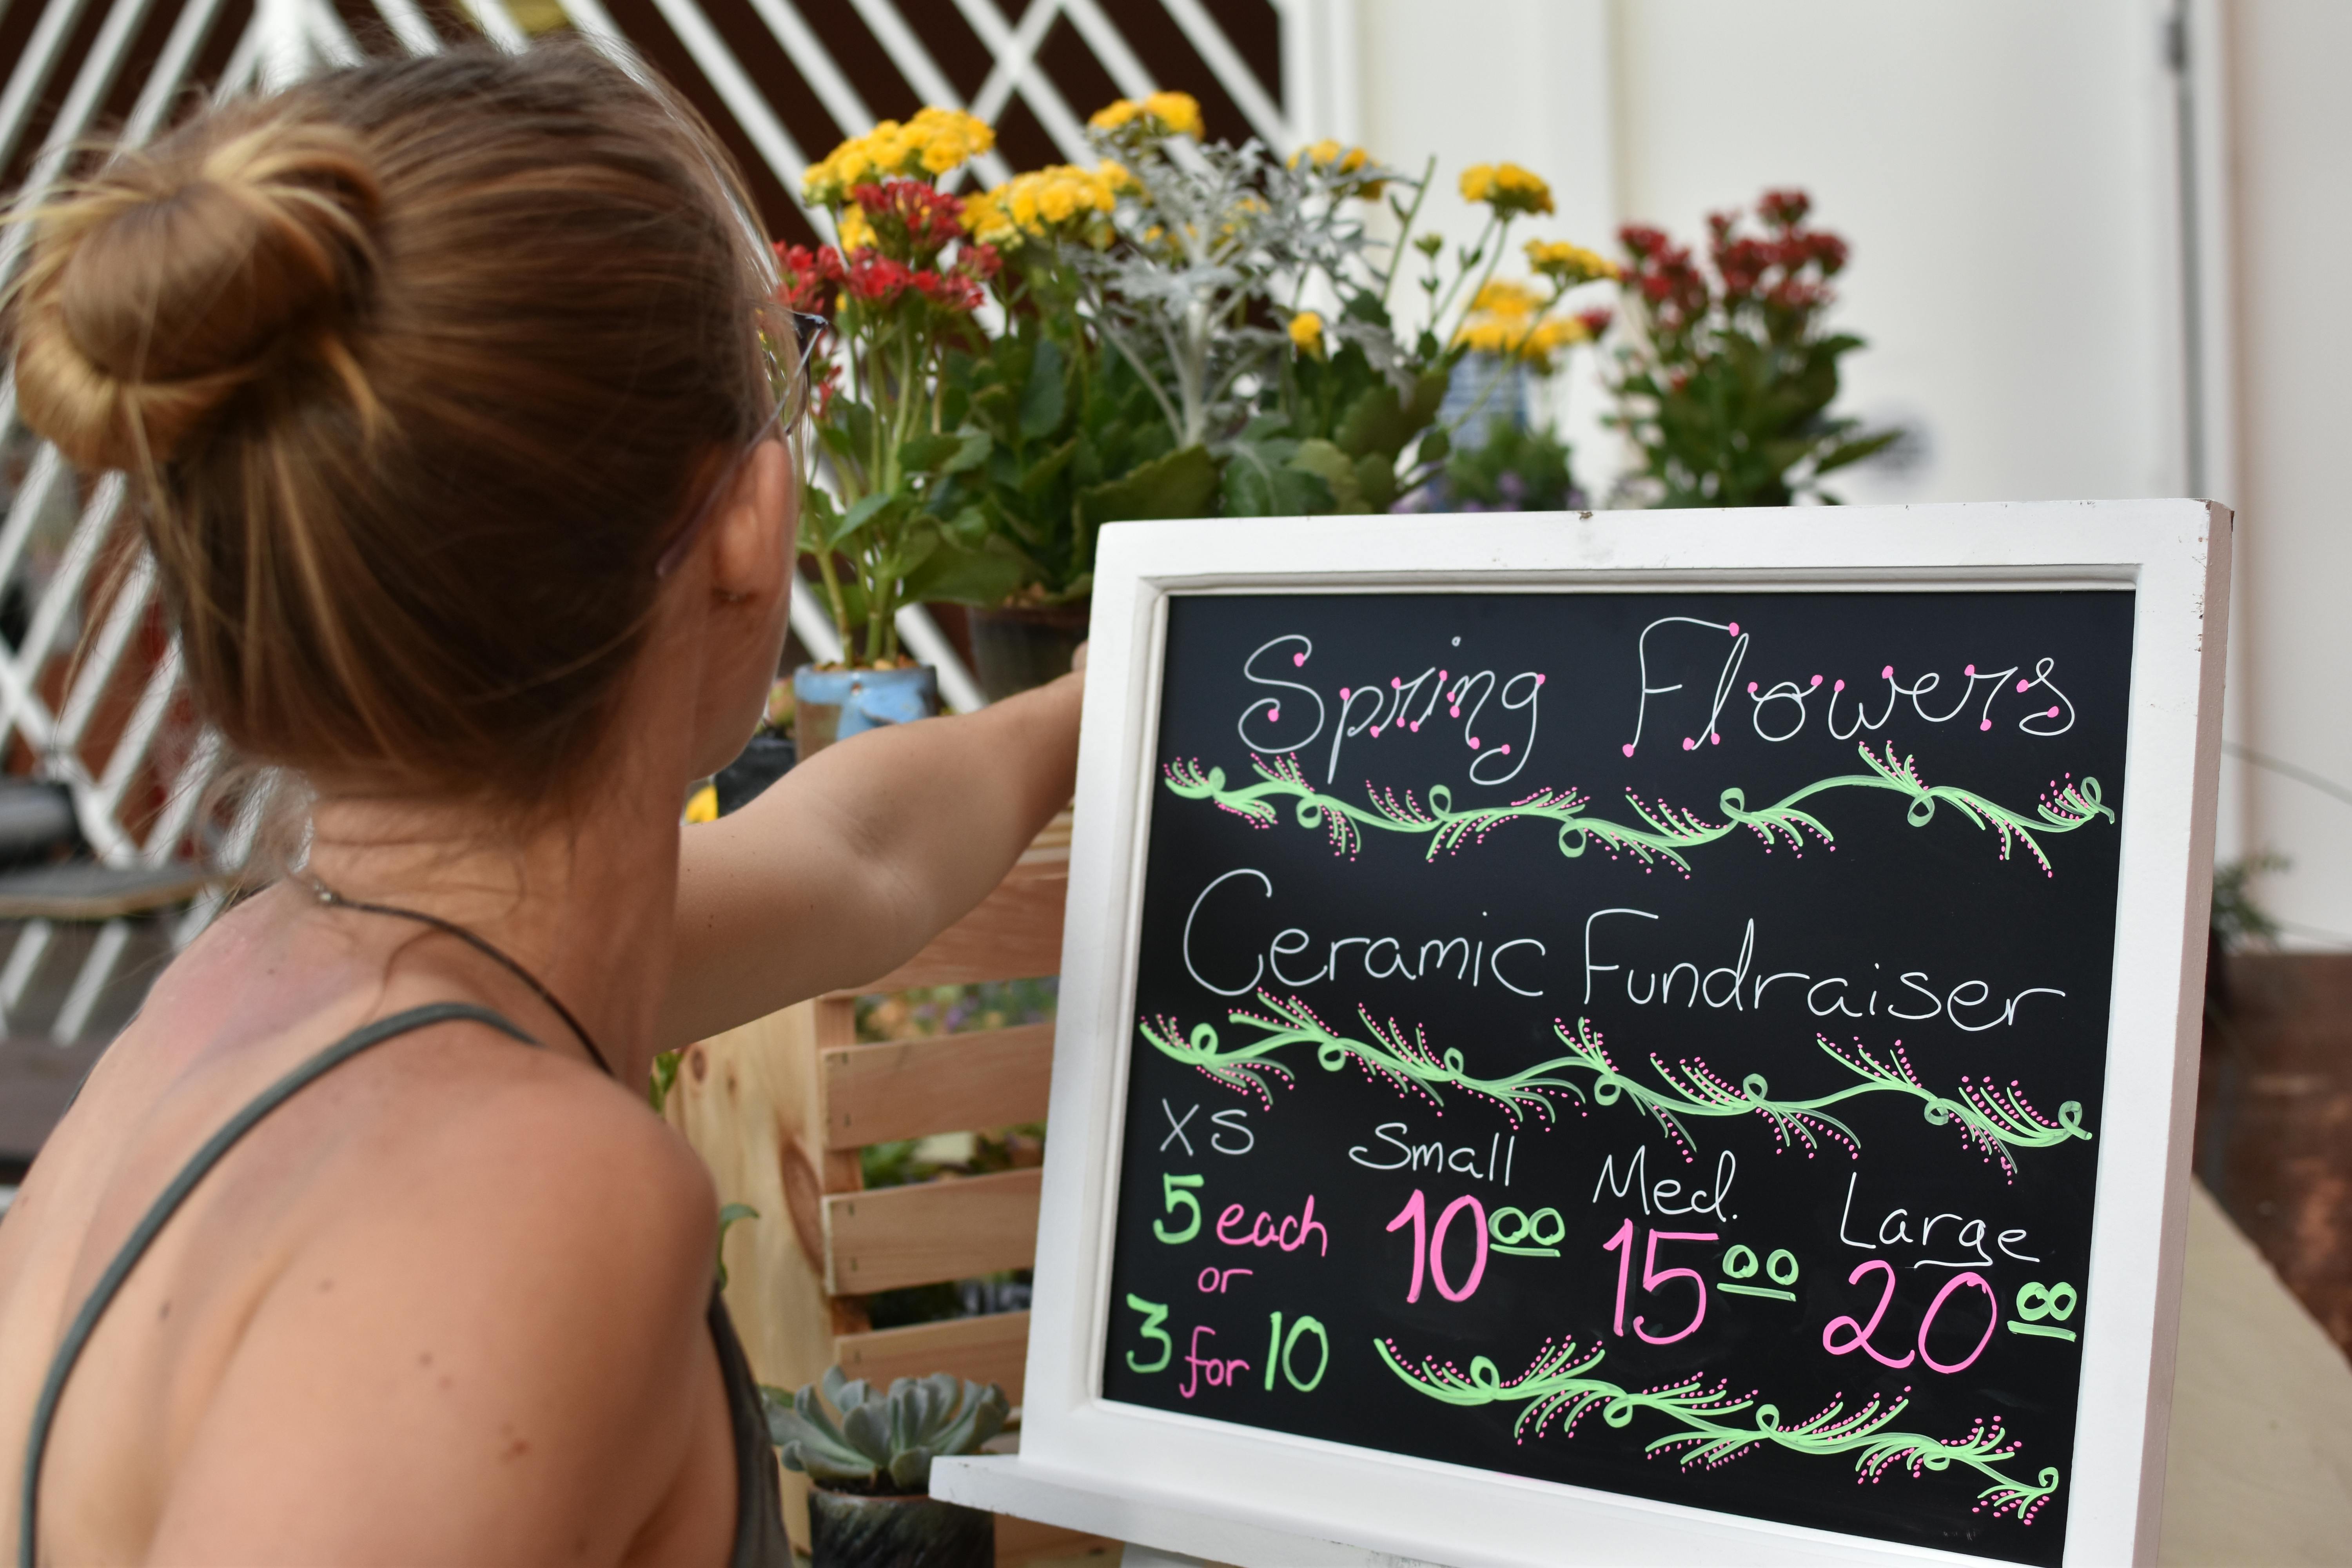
column 498, row 1341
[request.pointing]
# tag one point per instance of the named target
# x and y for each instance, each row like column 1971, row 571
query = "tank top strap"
column 103, row 1294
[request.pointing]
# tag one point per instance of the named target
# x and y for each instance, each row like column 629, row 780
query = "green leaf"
column 943, row 452
column 1327, row 462
column 820, row 521
column 857, row 517
column 1181, row 485
column 992, row 408
column 971, row 453
column 1436, row 447
column 1041, row 401
column 728, row 1216
column 956, row 574
column 1856, row 451
column 1042, row 473
column 1261, row 481
column 663, row 1078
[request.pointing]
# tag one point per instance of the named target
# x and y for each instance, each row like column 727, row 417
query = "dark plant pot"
column 764, row 759
column 847, row 1531
column 832, row 705
column 1020, row 647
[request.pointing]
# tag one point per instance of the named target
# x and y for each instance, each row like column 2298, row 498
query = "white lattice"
column 158, row 751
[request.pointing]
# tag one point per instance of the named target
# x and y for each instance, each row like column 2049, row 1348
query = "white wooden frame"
column 1246, row 1495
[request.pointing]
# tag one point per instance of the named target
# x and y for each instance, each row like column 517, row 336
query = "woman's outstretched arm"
column 856, row 858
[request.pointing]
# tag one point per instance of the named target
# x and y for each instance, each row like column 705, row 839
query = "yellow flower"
column 1551, row 335
column 1116, row 115
column 1163, row 114
column 704, row 806
column 1058, row 201
column 1180, row 112
column 932, row 143
column 1509, row 189
column 1047, row 201
column 1504, row 320
column 985, row 219
column 857, row 234
column 1307, row 333
column 1567, row 264
column 1330, row 154
column 1506, row 298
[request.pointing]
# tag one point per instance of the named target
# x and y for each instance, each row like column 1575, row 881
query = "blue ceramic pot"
column 831, row 705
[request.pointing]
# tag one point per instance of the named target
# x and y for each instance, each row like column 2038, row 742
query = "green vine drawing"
column 1555, row 1387
column 1665, row 831
column 1992, row 1118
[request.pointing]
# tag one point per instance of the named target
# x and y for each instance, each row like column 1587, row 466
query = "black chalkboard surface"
column 1647, row 1041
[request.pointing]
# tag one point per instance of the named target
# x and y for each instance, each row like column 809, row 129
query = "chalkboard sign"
column 1646, row 1037
column 1570, row 1025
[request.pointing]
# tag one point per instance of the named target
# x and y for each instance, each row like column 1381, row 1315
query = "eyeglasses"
column 790, row 417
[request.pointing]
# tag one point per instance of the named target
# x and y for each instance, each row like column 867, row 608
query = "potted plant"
column 871, row 1506
column 897, row 293
column 1075, row 436
column 1725, row 384
column 1188, row 327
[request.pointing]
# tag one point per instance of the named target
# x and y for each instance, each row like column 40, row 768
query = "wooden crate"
column 779, row 1109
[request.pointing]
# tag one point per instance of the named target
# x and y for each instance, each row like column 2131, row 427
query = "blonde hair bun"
column 180, row 275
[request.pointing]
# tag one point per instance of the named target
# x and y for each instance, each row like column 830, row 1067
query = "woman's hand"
column 848, row 864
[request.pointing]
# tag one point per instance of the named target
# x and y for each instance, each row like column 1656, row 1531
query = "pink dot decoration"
column 1343, row 694
column 1984, row 723
column 1297, row 659
column 2023, row 684
column 1689, row 745
column 1734, row 628
column 1751, row 689
column 1474, row 743
column 1888, row 674
column 2053, row 713
column 1629, row 748
column 1274, row 715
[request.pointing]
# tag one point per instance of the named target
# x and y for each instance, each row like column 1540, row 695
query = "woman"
column 444, row 385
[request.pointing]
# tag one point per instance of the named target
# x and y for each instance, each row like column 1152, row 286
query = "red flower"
column 1784, row 209
column 911, row 216
column 1642, row 242
column 981, row 260
column 1595, row 322
column 876, row 280
column 955, row 290
column 803, row 275
column 824, row 383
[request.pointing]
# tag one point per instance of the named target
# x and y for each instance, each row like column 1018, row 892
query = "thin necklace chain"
column 334, row 899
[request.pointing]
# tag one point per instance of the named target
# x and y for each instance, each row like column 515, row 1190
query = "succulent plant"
column 882, row 1442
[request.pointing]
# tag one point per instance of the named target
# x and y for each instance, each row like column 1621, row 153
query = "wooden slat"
column 920, row 1235
column 1024, row 1541
column 994, row 1349
column 950, row 1083
column 1015, row 933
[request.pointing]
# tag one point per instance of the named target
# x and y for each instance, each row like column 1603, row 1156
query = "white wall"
column 2292, row 144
